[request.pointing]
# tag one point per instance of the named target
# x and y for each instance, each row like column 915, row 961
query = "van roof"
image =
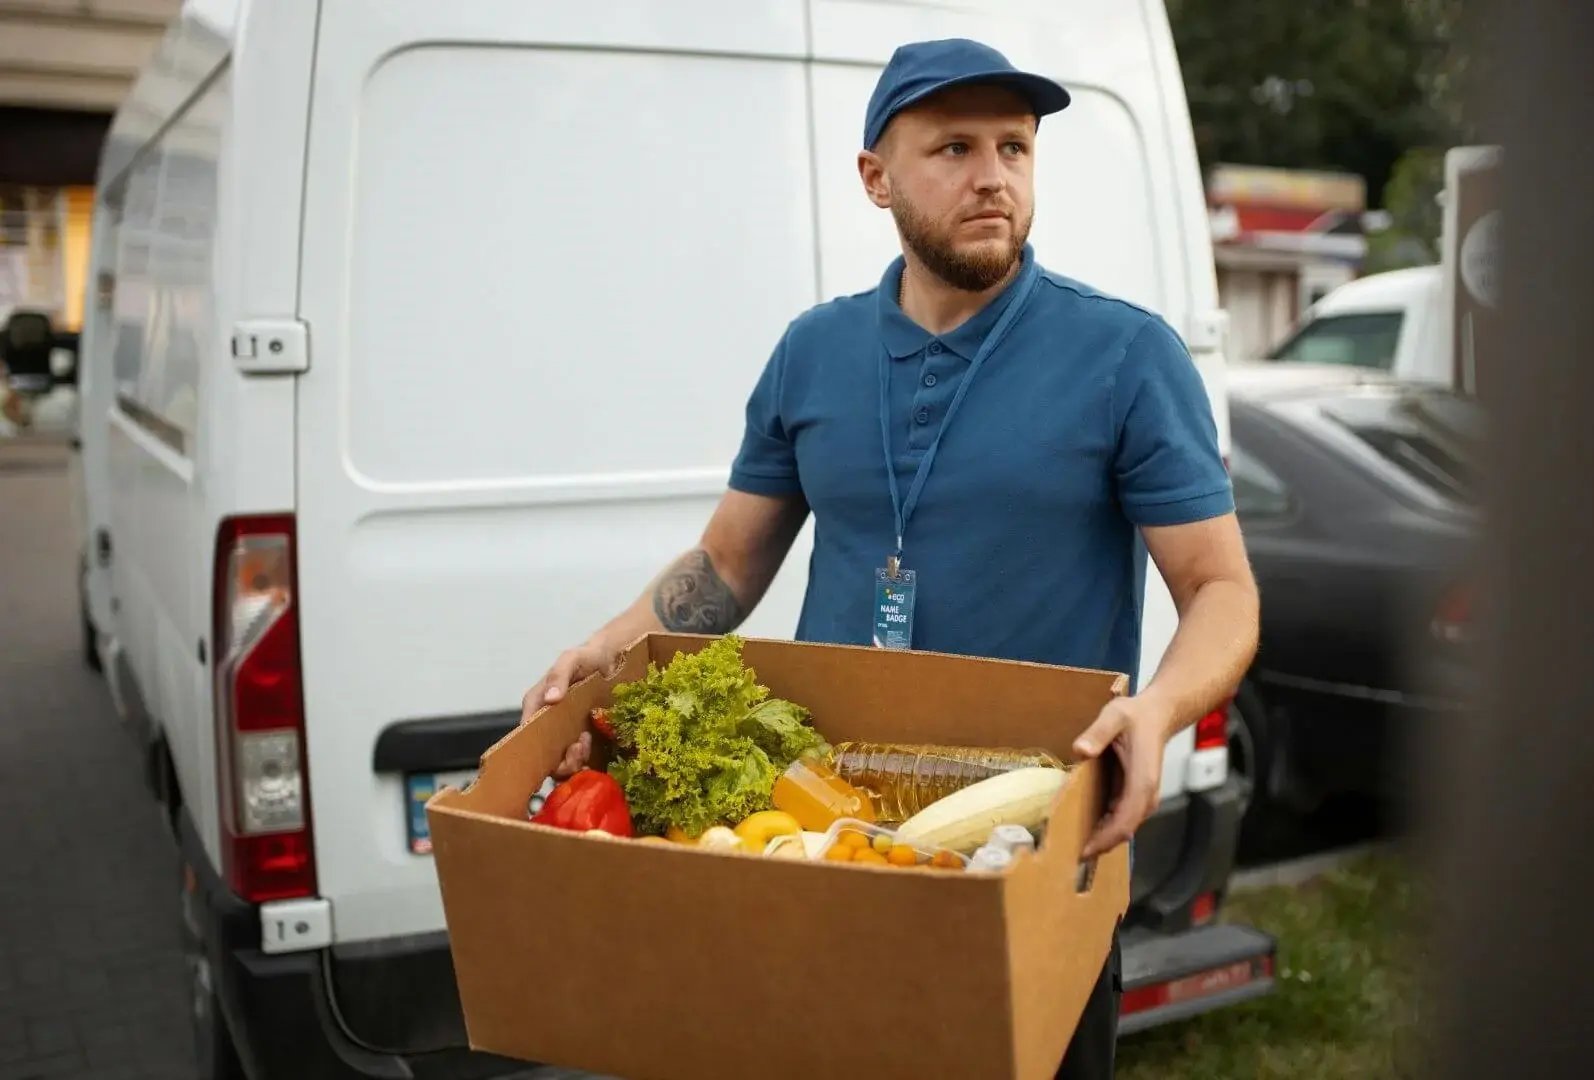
column 1393, row 290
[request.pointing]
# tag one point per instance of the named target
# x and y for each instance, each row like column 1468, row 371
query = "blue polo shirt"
column 1088, row 420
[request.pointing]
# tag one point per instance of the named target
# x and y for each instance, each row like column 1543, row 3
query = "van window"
column 164, row 213
column 1364, row 340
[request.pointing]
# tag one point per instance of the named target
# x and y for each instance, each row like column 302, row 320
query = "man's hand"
column 1210, row 580
column 572, row 666
column 1137, row 730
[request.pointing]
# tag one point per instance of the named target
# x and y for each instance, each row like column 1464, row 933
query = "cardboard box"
column 648, row 961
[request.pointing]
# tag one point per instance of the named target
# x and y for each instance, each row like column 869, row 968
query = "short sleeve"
column 767, row 461
column 1168, row 467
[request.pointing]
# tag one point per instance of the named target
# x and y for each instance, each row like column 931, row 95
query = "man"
column 1062, row 426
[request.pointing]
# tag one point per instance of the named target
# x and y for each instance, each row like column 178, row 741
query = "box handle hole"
column 1085, row 876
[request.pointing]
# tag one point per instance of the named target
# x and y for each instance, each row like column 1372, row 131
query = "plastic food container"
column 804, row 845
column 880, row 847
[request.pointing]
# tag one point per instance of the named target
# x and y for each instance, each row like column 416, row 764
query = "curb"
column 1299, row 871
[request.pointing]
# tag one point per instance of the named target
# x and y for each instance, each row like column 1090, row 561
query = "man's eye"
column 1016, row 148
column 957, row 148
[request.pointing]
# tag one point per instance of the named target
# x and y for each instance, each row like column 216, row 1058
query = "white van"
column 1393, row 321
column 418, row 337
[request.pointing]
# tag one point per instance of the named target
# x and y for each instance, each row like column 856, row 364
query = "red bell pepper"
column 588, row 800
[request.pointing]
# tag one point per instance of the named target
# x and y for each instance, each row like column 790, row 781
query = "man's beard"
column 973, row 271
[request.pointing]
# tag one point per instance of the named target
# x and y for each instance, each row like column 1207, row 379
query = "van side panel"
column 161, row 356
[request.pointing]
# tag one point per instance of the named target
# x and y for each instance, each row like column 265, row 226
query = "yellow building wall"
column 75, row 239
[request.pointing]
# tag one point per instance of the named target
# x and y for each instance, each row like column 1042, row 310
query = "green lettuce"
column 701, row 742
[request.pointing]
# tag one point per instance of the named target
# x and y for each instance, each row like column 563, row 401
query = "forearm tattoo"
column 692, row 598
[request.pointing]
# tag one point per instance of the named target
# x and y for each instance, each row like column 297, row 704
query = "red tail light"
column 264, row 788
column 1212, row 730
column 1203, row 908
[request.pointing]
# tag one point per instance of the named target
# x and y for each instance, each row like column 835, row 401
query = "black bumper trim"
column 444, row 742
column 280, row 1009
column 1184, row 850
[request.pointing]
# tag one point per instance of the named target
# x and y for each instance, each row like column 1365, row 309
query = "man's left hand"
column 1137, row 730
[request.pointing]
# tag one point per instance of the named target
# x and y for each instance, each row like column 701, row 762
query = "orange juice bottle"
column 811, row 792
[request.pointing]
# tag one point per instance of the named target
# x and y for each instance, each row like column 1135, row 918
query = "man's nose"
column 989, row 176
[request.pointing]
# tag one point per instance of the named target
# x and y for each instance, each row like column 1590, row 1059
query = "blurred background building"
column 64, row 67
column 1282, row 238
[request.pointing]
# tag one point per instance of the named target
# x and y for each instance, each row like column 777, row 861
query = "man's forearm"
column 689, row 597
column 1210, row 652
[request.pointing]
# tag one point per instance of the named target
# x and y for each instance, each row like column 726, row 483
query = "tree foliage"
column 1333, row 84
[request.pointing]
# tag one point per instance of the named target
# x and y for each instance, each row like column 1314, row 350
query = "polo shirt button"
column 930, row 379
column 935, row 348
column 922, row 416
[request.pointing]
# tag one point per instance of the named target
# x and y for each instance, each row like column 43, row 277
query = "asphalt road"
column 92, row 984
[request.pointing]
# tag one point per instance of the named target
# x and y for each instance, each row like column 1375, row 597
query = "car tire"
column 1251, row 760
column 91, row 648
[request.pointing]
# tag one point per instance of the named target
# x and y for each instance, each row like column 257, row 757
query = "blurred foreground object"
column 1515, row 813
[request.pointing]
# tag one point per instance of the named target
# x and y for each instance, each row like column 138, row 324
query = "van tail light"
column 1212, row 730
column 264, row 790
column 1452, row 620
column 1203, row 909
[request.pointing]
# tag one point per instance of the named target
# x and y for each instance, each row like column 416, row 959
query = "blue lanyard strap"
column 904, row 510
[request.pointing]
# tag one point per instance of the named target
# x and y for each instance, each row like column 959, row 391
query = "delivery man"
column 997, row 439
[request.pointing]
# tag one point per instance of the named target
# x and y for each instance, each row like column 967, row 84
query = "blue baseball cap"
column 923, row 68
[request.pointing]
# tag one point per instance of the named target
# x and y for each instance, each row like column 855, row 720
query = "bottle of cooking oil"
column 903, row 778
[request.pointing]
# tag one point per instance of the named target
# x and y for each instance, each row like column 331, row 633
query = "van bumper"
column 1172, row 968
column 1186, row 849
column 299, row 1014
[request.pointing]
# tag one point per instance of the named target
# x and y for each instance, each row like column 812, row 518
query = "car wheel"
column 91, row 645
column 1251, row 757
column 215, row 1057
column 91, row 648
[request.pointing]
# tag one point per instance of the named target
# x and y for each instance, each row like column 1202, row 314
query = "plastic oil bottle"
column 903, row 778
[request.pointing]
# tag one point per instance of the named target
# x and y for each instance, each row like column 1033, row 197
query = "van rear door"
column 547, row 250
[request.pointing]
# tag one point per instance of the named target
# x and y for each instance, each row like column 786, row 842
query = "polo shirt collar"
column 903, row 337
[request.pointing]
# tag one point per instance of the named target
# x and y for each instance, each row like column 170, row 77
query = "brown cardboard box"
column 653, row 961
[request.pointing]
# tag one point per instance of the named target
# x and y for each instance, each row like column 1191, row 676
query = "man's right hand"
column 572, row 666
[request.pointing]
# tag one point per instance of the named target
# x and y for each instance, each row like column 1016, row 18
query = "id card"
column 893, row 608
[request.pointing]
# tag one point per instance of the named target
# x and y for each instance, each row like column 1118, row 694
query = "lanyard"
column 904, row 510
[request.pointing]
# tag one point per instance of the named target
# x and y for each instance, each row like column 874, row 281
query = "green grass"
column 1346, row 1001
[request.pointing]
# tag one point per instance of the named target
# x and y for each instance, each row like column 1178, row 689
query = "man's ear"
column 876, row 182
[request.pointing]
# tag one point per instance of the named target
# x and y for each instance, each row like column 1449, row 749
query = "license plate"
column 418, row 788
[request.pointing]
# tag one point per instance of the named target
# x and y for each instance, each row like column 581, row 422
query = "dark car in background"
column 1355, row 492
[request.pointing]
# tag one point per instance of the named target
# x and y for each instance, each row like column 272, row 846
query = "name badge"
column 893, row 607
